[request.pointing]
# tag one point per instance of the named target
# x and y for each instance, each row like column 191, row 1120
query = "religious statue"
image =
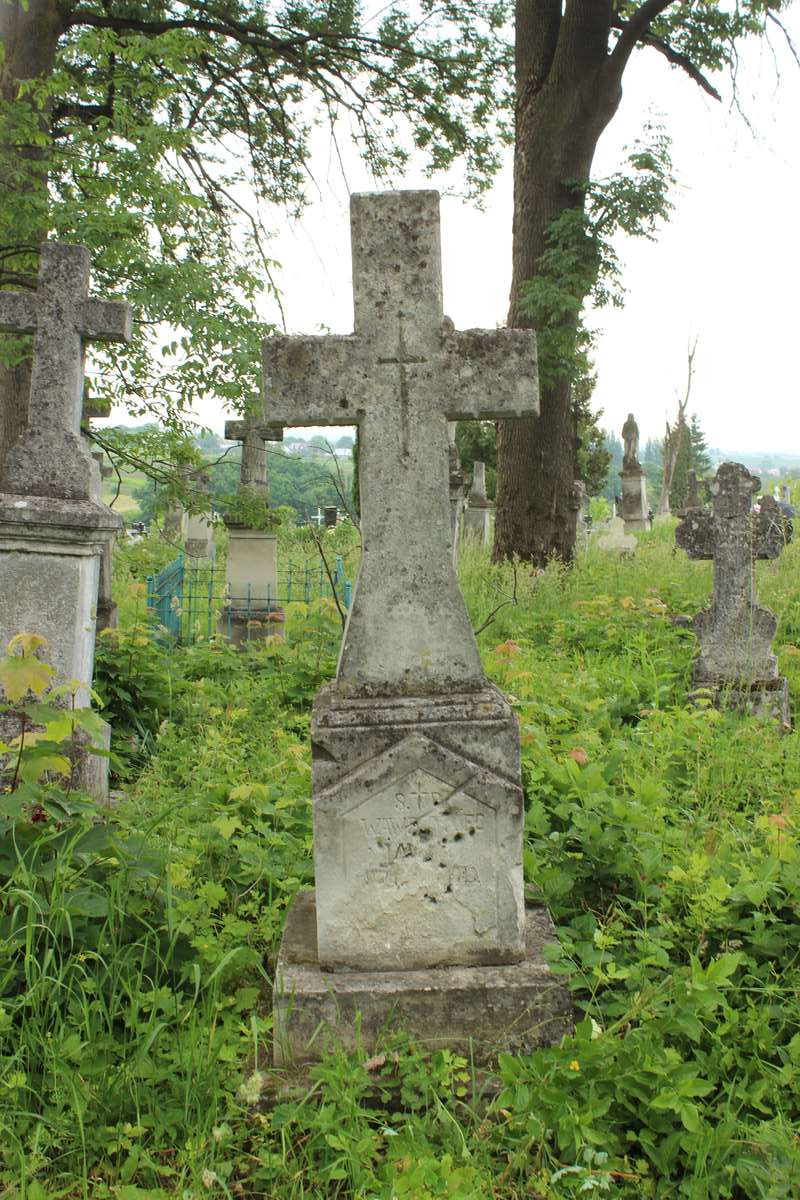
column 630, row 436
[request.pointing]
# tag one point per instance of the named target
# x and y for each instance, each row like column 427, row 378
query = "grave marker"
column 479, row 506
column 735, row 632
column 416, row 785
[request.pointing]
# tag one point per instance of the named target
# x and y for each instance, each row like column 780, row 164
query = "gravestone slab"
column 615, row 539
column 456, row 481
column 735, row 633
column 418, row 807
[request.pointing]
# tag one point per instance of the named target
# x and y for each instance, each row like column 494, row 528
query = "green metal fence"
column 189, row 599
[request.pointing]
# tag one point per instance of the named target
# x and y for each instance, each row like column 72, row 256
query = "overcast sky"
column 725, row 269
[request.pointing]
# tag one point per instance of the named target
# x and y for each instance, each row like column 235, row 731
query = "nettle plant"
column 41, row 727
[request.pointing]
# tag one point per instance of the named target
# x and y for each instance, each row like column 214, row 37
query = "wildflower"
column 574, row 1065
column 209, row 1178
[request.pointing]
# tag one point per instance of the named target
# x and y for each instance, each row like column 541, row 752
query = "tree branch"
column 634, row 30
column 677, row 59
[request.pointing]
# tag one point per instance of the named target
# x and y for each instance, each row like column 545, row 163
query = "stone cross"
column 693, row 497
column 253, row 435
column 735, row 632
column 401, row 376
column 50, row 458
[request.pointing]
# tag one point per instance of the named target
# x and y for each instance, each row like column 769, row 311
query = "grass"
column 138, row 949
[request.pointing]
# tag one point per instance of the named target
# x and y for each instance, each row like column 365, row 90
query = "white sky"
column 726, row 267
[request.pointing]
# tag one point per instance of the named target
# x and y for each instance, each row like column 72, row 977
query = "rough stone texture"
column 400, row 377
column 50, row 458
column 735, row 632
column 418, row 815
column 475, row 1011
column 634, row 499
column 577, row 501
column 253, row 435
column 616, row 539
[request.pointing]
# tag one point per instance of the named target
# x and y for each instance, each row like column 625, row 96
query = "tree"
column 138, row 126
column 570, row 59
column 699, row 457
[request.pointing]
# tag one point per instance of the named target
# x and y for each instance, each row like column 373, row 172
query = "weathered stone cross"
column 253, row 435
column 735, row 632
column 50, row 458
column 401, row 376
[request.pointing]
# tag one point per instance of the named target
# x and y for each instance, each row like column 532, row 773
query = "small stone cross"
column 50, row 458
column 253, row 435
column 401, row 376
column 735, row 632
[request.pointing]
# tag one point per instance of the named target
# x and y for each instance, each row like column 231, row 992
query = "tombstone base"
column 766, row 698
column 476, row 1011
column 245, row 625
column 634, row 500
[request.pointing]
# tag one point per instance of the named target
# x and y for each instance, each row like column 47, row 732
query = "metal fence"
column 189, row 599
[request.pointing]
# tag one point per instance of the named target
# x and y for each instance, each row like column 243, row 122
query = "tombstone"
column 634, row 481
column 615, row 539
column 479, row 508
column 197, row 529
column 54, row 529
column 418, row 918
column 456, row 488
column 736, row 663
column 694, row 498
column 331, row 516
column 786, row 493
column 577, row 502
column 252, row 611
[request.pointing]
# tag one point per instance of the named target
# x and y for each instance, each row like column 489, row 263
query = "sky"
column 724, row 270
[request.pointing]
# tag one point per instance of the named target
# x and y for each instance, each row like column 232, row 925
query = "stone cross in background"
column 694, row 498
column 416, row 777
column 479, row 507
column 54, row 529
column 735, row 632
column 198, row 530
column 456, row 487
column 50, row 457
column 252, row 611
column 254, row 436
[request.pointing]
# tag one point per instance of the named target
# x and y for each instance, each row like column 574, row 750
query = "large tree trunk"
column 566, row 95
column 29, row 36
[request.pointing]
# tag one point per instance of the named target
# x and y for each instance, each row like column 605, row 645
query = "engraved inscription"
column 422, row 837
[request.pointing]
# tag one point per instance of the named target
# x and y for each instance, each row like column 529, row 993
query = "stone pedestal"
column 634, row 499
column 199, row 534
column 474, row 1011
column 479, row 508
column 50, row 557
column 418, row 815
column 252, row 583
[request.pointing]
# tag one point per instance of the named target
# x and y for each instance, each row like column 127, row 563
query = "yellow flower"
column 574, row 1065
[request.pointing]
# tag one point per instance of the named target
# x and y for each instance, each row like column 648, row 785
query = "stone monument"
column 577, row 507
column 694, row 498
column 634, row 482
column 197, row 530
column 253, row 611
column 53, row 527
column 456, row 487
column 477, row 514
column 418, row 918
column 736, row 662
column 331, row 514
column 615, row 539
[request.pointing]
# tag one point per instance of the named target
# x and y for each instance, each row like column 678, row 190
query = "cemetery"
column 399, row 776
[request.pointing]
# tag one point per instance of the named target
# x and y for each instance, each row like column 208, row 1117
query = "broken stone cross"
column 253, row 435
column 50, row 458
column 735, row 632
column 416, row 779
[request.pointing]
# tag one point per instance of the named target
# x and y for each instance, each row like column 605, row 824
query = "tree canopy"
column 162, row 135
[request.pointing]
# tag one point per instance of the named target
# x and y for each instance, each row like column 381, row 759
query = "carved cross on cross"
column 50, row 458
column 401, row 376
column 735, row 632
column 253, row 435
